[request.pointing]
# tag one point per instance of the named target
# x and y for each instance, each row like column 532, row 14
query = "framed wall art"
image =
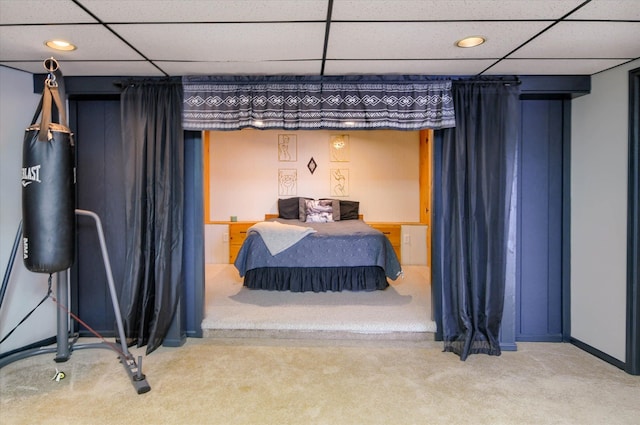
column 287, row 147
column 339, row 181
column 339, row 148
column 287, row 182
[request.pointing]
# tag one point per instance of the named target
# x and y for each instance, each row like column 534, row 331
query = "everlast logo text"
column 30, row 175
column 26, row 248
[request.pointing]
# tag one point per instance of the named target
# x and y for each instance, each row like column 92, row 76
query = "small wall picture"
column 339, row 148
column 287, row 147
column 287, row 181
column 339, row 182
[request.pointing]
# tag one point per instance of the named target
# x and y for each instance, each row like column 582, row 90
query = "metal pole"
column 62, row 336
column 112, row 287
column 12, row 257
column 133, row 369
column 138, row 379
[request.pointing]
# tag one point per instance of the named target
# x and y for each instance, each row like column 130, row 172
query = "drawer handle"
column 387, row 233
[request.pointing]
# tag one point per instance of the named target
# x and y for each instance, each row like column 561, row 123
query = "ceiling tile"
column 404, row 67
column 242, row 68
column 607, row 9
column 421, row 10
column 552, row 66
column 433, row 40
column 226, row 42
column 42, row 12
column 207, row 11
column 585, row 40
column 35, row 67
column 93, row 42
column 130, row 68
column 286, row 37
column 70, row 69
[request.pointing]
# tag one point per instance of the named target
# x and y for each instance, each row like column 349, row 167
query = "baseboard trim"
column 540, row 338
column 175, row 342
column 599, row 354
column 194, row 333
column 508, row 346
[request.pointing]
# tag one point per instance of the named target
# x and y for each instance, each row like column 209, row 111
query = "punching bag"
column 48, row 188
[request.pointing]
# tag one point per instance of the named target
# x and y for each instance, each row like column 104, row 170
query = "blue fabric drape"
column 478, row 158
column 306, row 103
column 153, row 148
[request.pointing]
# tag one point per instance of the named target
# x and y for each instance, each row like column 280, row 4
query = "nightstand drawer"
column 238, row 232
column 391, row 231
column 237, row 235
column 233, row 252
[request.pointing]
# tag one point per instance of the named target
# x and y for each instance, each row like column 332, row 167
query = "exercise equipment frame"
column 64, row 344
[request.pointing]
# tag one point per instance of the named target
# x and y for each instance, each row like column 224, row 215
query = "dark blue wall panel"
column 194, row 296
column 99, row 188
column 539, row 288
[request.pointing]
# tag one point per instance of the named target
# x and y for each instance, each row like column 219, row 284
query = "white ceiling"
column 320, row 37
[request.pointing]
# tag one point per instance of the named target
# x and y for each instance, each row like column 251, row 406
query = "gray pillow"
column 349, row 210
column 302, row 208
column 289, row 208
column 336, row 209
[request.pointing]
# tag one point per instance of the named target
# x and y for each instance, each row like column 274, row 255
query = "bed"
column 344, row 254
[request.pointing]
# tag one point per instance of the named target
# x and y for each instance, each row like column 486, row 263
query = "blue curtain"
column 308, row 103
column 472, row 218
column 153, row 148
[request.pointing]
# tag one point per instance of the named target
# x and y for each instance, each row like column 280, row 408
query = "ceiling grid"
column 321, row 37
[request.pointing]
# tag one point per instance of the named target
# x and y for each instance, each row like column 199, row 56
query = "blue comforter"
column 345, row 243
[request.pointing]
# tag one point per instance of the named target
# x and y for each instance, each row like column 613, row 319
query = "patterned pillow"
column 319, row 211
column 335, row 206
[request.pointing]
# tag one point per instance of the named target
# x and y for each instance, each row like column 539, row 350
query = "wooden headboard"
column 272, row 216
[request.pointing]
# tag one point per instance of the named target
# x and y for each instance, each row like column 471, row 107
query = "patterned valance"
column 301, row 103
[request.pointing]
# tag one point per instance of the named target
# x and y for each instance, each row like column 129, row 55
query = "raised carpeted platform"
column 402, row 311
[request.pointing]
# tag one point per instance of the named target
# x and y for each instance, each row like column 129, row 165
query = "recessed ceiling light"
column 60, row 45
column 474, row 41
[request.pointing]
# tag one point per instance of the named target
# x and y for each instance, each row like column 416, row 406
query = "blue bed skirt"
column 317, row 279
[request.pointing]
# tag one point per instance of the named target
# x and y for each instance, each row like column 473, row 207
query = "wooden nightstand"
column 237, row 235
column 393, row 232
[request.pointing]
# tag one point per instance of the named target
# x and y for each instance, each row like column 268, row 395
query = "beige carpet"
column 404, row 307
column 317, row 382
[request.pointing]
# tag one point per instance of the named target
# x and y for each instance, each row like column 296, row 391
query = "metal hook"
column 51, row 65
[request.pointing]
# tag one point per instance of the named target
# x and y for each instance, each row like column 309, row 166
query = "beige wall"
column 599, row 163
column 25, row 289
column 383, row 176
column 383, row 172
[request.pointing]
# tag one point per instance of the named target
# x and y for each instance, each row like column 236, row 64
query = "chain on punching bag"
column 48, row 185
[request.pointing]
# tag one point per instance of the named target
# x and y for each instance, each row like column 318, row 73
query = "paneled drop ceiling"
column 320, row 37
